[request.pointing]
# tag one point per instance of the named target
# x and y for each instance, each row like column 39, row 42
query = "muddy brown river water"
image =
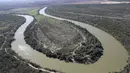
column 114, row 58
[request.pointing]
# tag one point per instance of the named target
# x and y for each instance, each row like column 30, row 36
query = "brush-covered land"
column 63, row 40
column 10, row 62
column 113, row 19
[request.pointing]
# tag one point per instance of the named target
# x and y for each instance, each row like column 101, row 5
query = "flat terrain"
column 10, row 62
column 113, row 19
column 63, row 40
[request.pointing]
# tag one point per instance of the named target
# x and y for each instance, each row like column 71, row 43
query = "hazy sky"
column 30, row 0
column 48, row 0
column 21, row 0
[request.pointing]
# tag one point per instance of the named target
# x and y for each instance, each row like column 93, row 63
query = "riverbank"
column 9, row 60
column 91, row 29
column 107, row 63
column 19, row 45
column 110, row 18
column 113, row 19
column 77, row 46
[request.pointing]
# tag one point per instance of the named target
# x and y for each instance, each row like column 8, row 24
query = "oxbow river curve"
column 114, row 58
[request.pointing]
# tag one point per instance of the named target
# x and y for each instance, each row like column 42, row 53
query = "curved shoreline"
column 112, row 39
column 19, row 37
column 87, row 51
column 108, row 63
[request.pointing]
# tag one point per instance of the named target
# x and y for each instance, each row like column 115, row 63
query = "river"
column 114, row 58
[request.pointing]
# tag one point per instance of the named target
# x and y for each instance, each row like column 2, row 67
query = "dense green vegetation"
column 113, row 19
column 10, row 62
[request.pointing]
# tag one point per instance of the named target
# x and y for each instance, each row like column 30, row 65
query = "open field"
column 113, row 19
column 10, row 62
